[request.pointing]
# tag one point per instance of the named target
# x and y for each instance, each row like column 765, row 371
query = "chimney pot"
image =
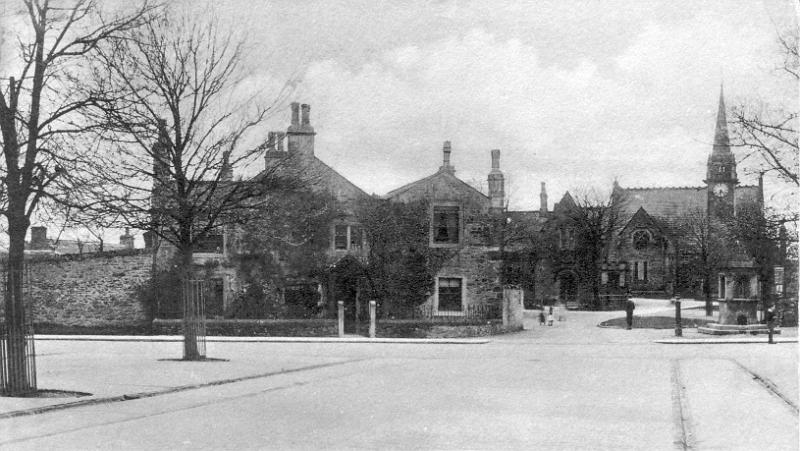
column 305, row 108
column 543, row 200
column 495, row 158
column 295, row 113
column 446, row 152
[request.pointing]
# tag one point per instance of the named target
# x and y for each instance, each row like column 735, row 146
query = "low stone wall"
column 329, row 328
column 254, row 327
column 89, row 289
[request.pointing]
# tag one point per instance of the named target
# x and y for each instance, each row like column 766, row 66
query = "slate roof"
column 670, row 204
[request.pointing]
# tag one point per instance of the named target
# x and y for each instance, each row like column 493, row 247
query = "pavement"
column 569, row 386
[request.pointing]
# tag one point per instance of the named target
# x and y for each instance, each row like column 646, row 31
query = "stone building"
column 462, row 221
column 287, row 153
column 656, row 240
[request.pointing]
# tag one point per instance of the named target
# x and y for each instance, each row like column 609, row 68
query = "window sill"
column 444, row 245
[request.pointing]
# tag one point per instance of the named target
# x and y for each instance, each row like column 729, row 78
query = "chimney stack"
column 543, row 200
column 305, row 109
column 496, row 184
column 39, row 238
column 295, row 114
column 127, row 240
column 446, row 158
column 270, row 141
column 300, row 135
column 279, row 141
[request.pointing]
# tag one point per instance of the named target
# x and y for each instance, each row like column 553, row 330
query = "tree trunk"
column 19, row 379
column 707, row 293
column 190, row 313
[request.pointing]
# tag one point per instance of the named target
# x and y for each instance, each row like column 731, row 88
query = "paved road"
column 570, row 386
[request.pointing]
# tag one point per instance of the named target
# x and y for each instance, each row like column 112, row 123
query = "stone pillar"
column 373, row 307
column 341, row 318
column 512, row 308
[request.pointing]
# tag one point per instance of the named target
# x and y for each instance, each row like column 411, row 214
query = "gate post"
column 372, row 309
column 341, row 318
column 678, row 325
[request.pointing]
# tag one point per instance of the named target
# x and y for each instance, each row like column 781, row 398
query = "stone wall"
column 89, row 290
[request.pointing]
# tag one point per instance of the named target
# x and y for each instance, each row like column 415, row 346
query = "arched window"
column 641, row 238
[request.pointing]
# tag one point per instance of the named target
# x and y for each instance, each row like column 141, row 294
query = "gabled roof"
column 643, row 219
column 443, row 184
column 323, row 176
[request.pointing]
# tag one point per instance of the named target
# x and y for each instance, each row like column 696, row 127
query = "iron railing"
column 17, row 347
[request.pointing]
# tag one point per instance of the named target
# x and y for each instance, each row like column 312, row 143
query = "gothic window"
column 641, row 238
column 640, row 270
column 449, row 294
column 445, row 224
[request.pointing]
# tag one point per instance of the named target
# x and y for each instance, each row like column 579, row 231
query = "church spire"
column 721, row 140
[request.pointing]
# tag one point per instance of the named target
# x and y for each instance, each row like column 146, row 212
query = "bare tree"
column 597, row 220
column 177, row 124
column 770, row 132
column 40, row 110
column 704, row 249
column 581, row 234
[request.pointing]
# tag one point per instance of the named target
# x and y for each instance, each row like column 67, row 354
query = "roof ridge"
column 654, row 188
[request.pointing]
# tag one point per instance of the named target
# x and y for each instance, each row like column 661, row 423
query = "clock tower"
column 721, row 172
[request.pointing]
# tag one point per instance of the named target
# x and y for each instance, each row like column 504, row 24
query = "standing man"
column 629, row 306
column 770, row 317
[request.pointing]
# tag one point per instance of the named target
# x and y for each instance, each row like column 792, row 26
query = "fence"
column 470, row 314
column 17, row 348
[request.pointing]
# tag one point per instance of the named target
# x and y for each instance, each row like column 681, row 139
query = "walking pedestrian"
column 629, row 306
column 541, row 317
column 550, row 317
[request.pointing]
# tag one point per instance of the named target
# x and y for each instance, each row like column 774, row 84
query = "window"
column 641, row 238
column 346, row 237
column 210, row 244
column 741, row 287
column 566, row 238
column 604, row 278
column 449, row 296
column 640, row 270
column 779, row 280
column 445, row 224
column 355, row 237
column 340, row 237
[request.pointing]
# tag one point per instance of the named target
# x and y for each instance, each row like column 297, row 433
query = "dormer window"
column 446, row 224
column 641, row 239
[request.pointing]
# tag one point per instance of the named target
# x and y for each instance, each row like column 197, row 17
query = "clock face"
column 720, row 190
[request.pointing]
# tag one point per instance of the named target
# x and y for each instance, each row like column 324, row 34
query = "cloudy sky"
column 574, row 93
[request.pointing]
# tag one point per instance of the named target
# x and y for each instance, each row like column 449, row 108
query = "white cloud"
column 644, row 114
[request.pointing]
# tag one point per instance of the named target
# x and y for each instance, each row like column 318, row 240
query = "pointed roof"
column 721, row 141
